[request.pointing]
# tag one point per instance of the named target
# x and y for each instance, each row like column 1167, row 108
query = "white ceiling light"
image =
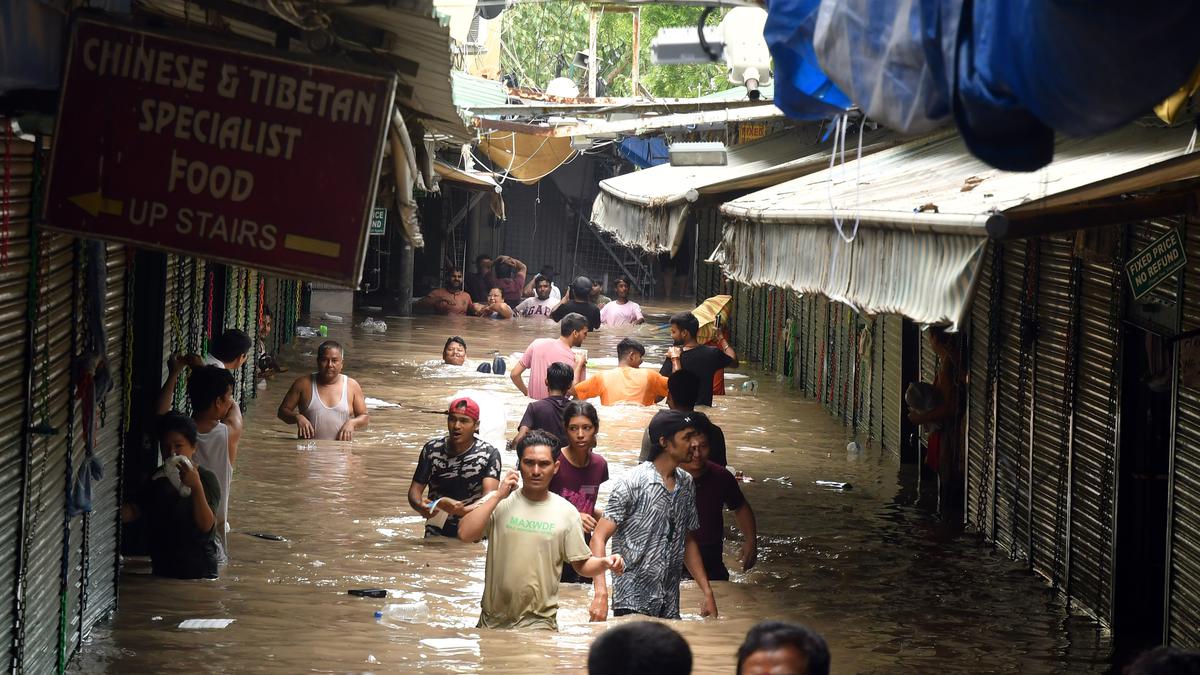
column 698, row 154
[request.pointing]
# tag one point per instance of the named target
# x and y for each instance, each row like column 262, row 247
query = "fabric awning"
column 478, row 180
column 924, row 211
column 648, row 209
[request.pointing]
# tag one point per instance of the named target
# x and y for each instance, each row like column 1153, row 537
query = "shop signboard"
column 176, row 142
column 378, row 222
column 1155, row 263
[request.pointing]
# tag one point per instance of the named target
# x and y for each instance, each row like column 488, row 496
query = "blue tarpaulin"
column 802, row 90
column 1011, row 72
column 644, row 152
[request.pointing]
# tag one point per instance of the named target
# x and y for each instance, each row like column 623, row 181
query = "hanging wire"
column 839, row 147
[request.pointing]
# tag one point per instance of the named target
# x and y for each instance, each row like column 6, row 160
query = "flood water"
column 891, row 588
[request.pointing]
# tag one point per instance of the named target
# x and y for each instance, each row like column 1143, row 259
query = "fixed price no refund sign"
column 169, row 142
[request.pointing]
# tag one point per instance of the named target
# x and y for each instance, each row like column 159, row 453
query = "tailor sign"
column 1155, row 263
column 175, row 143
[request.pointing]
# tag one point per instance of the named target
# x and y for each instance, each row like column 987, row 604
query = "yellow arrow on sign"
column 94, row 204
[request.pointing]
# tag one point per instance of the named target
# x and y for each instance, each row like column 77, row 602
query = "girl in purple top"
column 580, row 472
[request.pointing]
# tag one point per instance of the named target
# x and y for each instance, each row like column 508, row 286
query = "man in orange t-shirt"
column 627, row 382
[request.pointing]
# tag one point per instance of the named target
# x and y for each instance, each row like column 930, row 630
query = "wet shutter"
column 892, row 329
column 708, row 235
column 983, row 380
column 1012, row 433
column 1184, row 598
column 1092, row 458
column 102, row 525
column 1051, row 409
column 45, row 591
column 16, row 172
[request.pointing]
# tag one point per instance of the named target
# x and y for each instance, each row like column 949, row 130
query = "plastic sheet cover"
column 802, row 89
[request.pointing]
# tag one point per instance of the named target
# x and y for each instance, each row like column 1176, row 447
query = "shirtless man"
column 325, row 405
column 451, row 299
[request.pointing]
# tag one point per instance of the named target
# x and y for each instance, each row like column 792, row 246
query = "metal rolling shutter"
column 708, row 235
column 1183, row 627
column 893, row 353
column 103, row 524
column 980, row 473
column 49, row 455
column 1051, row 427
column 808, row 344
column 1093, row 455
column 14, row 291
column 1012, row 431
column 876, row 380
column 821, row 347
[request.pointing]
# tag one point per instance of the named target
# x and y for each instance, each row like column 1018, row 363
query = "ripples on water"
column 891, row 588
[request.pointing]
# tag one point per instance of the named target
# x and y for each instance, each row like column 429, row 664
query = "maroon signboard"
column 172, row 143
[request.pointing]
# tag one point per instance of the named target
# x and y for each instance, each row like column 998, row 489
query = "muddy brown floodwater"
column 891, row 589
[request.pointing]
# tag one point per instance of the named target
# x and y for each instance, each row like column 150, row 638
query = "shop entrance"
column 1142, row 481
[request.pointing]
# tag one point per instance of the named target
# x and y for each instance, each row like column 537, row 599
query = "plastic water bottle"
column 750, row 387
column 395, row 614
column 323, row 330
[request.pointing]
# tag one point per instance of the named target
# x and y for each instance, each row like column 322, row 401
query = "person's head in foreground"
column 574, row 327
column 559, row 378
column 780, row 648
column 1164, row 661
column 581, row 422
column 630, row 353
column 622, row 288
column 330, row 361
column 231, row 348
column 535, row 459
column 640, row 648
column 684, row 327
column 462, row 421
column 177, row 435
column 455, row 351
column 454, row 279
column 542, row 288
column 210, row 391
column 581, row 289
column 677, row 434
column 683, row 390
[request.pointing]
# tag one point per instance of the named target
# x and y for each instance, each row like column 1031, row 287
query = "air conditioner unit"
column 477, row 36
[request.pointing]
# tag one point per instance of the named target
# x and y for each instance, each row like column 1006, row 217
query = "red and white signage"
column 173, row 143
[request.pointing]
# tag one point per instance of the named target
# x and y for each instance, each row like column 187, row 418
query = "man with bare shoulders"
column 325, row 405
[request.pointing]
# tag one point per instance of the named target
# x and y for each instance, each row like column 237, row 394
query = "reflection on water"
column 889, row 587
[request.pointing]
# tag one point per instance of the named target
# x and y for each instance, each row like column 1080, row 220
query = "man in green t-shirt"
column 531, row 533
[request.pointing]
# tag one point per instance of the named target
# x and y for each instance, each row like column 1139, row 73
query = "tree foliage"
column 541, row 39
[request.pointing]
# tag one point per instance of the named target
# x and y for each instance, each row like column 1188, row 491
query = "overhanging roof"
column 924, row 211
column 647, row 209
column 415, row 45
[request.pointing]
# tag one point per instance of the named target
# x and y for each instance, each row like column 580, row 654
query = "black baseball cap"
column 670, row 422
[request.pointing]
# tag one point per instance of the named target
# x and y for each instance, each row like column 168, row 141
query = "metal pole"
column 637, row 48
column 404, row 293
column 593, row 60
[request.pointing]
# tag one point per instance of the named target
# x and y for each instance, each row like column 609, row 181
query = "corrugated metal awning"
column 924, row 211
column 647, row 209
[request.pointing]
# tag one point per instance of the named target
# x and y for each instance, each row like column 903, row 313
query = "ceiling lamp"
column 707, row 153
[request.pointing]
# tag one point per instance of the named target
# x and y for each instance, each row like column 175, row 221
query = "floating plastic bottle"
column 750, row 387
column 395, row 614
column 323, row 330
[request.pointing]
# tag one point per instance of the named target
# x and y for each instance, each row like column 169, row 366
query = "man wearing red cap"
column 458, row 469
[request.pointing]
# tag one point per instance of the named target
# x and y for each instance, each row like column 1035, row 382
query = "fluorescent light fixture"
column 698, row 154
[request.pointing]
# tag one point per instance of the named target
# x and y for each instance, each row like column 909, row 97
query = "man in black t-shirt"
column 690, row 355
column 458, row 469
column 578, row 301
column 547, row 414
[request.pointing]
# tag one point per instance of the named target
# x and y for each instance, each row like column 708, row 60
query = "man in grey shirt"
column 651, row 517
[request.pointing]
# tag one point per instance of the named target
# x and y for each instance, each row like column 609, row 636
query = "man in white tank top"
column 326, row 405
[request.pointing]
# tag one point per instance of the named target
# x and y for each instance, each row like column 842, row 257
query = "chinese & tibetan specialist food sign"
column 171, row 143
